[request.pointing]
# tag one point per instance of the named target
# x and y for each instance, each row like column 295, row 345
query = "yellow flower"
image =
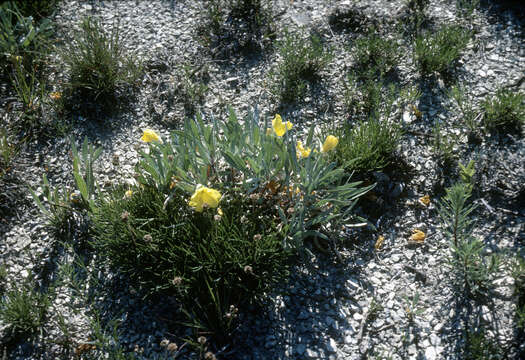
column 128, row 193
column 55, row 95
column 330, row 143
column 204, row 196
column 425, row 200
column 219, row 211
column 301, row 151
column 149, row 136
column 269, row 131
column 379, row 242
column 279, row 127
column 418, row 236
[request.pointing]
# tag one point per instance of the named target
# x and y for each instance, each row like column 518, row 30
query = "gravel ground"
column 323, row 310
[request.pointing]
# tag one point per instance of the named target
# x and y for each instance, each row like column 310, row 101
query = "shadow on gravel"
column 313, row 301
column 505, row 11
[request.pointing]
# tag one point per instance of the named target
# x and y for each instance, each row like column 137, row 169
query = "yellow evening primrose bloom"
column 55, row 95
column 204, row 196
column 149, row 136
column 330, row 143
column 279, row 127
column 301, row 151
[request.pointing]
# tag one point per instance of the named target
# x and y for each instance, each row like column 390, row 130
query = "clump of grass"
column 443, row 143
column 504, row 112
column 23, row 310
column 376, row 53
column 439, row 51
column 233, row 26
column 7, row 152
column 518, row 273
column 22, row 41
column 466, row 7
column 37, row 9
column 302, row 60
column 191, row 87
column 350, row 19
column 369, row 145
column 365, row 96
column 99, row 66
column 210, row 261
column 465, row 106
column 416, row 17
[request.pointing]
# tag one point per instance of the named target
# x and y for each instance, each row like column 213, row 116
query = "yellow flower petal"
column 279, row 127
column 219, row 211
column 418, row 236
column 301, row 151
column 204, row 196
column 149, row 136
column 379, row 242
column 425, row 200
column 330, row 143
column 55, row 95
column 128, row 193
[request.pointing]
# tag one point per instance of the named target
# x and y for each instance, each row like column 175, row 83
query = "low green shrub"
column 415, row 17
column 439, row 51
column 366, row 97
column 38, row 9
column 464, row 104
column 504, row 112
column 473, row 272
column 7, row 152
column 98, row 64
column 219, row 245
column 302, row 60
column 375, row 53
column 233, row 26
column 369, row 145
column 22, row 41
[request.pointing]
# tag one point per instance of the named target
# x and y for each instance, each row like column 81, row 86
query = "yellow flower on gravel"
column 55, row 95
column 279, row 127
column 204, row 196
column 418, row 236
column 379, row 242
column 330, row 143
column 301, row 151
column 425, row 200
column 149, row 136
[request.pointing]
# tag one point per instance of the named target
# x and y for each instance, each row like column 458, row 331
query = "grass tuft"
column 439, row 51
column 302, row 60
column 504, row 112
column 99, row 66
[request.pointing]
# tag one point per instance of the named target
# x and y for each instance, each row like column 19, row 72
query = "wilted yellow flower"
column 425, row 200
column 269, row 131
column 149, row 136
column 55, row 95
column 204, row 196
column 301, row 151
column 330, row 143
column 128, row 193
column 418, row 236
column 379, row 242
column 279, row 127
